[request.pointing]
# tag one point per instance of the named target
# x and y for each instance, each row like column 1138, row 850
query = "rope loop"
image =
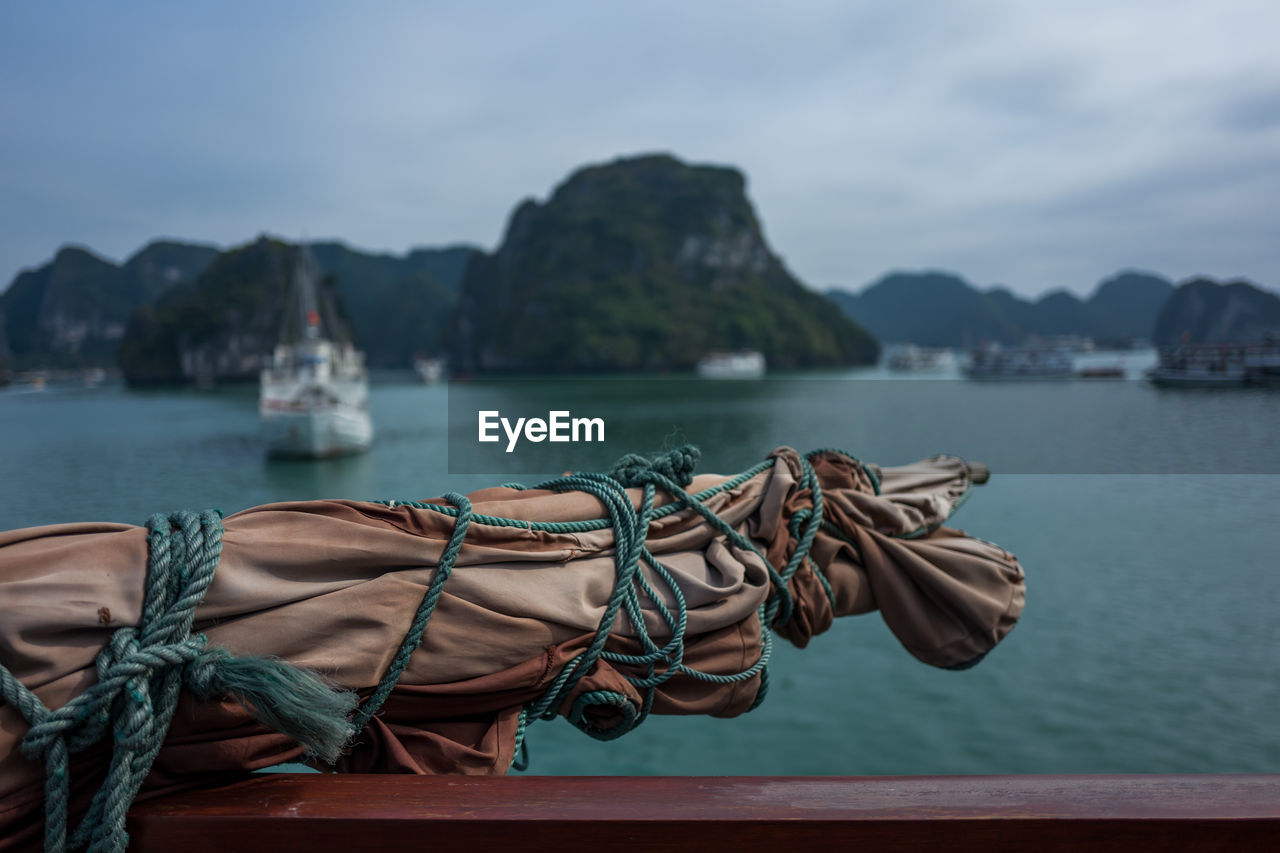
column 618, row 703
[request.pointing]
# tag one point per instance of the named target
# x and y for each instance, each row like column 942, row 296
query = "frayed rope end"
column 294, row 701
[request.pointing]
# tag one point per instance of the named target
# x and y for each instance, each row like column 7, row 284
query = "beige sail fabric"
column 333, row 585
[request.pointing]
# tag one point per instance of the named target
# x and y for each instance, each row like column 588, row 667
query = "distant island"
column 220, row 327
column 1203, row 311
column 641, row 264
column 72, row 311
column 5, row 357
column 80, row 310
column 644, row 263
column 940, row 309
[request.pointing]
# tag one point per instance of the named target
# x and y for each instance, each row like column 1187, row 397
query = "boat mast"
column 305, row 283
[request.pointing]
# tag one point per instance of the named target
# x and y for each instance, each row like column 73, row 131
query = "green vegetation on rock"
column 643, row 264
column 220, row 327
column 72, row 311
column 399, row 306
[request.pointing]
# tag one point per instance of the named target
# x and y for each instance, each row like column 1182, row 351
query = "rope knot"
column 675, row 465
column 202, row 671
column 141, row 672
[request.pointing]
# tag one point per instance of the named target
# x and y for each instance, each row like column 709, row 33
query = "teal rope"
column 598, row 698
column 413, row 637
column 583, row 526
column 141, row 672
column 630, row 528
column 671, row 472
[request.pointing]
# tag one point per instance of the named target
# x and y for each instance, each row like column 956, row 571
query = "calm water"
column 1146, row 521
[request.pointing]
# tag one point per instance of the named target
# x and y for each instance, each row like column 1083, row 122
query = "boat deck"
column 275, row 812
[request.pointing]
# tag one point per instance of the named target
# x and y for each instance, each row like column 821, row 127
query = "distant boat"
column 1104, row 371
column 909, row 357
column 1217, row 365
column 1020, row 363
column 745, row 364
column 314, row 398
column 429, row 370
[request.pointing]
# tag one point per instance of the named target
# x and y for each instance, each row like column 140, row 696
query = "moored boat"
column 745, row 364
column 1025, row 362
column 909, row 357
column 1217, row 365
column 314, row 399
column 428, row 370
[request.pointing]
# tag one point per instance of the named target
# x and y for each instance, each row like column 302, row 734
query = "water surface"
column 1145, row 519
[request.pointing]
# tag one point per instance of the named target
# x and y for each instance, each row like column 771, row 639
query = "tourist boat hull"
column 1116, row 372
column 1172, row 378
column 732, row 365
column 1020, row 364
column 908, row 358
column 316, row 433
column 1018, row 376
column 1217, row 366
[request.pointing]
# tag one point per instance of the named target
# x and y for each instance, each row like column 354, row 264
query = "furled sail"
column 457, row 622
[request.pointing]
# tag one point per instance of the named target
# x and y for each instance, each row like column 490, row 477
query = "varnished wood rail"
column 390, row 814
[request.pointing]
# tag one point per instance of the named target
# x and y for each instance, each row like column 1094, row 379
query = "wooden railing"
column 390, row 814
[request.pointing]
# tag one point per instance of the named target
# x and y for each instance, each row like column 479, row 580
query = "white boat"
column 909, row 357
column 314, row 398
column 1217, row 365
column 1027, row 362
column 746, row 364
column 429, row 370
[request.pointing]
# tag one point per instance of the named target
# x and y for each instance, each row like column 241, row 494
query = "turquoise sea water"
column 1145, row 518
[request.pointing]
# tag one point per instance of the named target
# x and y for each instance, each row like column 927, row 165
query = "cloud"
column 1255, row 112
column 1040, row 146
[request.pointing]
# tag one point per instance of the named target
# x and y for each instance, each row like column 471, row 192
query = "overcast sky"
column 1033, row 145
